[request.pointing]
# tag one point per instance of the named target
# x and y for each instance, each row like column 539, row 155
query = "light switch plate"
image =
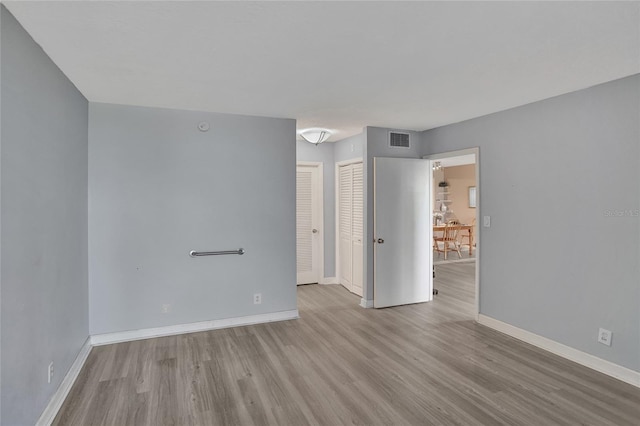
column 486, row 221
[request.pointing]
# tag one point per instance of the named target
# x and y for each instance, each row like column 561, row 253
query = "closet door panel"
column 345, row 213
column 357, row 229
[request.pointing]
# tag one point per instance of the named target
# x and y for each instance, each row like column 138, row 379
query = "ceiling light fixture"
column 315, row 136
column 437, row 166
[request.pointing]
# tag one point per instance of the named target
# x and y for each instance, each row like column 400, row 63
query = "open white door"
column 402, row 230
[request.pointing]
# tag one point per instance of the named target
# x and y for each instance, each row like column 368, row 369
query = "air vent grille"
column 399, row 140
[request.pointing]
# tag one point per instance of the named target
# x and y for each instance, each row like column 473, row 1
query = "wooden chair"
column 469, row 236
column 449, row 239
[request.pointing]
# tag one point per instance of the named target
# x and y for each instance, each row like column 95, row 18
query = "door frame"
column 318, row 200
column 337, row 166
column 476, row 152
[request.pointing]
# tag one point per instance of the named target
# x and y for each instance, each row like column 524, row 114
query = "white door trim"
column 337, row 166
column 318, row 195
column 475, row 151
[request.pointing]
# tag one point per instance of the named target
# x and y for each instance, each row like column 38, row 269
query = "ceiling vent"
column 398, row 140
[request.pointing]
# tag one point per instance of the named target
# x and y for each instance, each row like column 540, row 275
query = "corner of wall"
column 41, row 153
column 2, row 12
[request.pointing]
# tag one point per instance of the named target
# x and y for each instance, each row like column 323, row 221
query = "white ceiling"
column 341, row 65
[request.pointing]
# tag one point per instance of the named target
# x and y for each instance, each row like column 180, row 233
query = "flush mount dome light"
column 315, row 136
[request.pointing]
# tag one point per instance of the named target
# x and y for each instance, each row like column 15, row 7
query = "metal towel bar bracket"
column 194, row 253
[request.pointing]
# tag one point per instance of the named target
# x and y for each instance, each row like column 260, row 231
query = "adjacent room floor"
column 452, row 257
column 341, row 364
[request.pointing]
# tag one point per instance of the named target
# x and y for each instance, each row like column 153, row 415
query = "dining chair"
column 449, row 239
column 469, row 236
column 440, row 238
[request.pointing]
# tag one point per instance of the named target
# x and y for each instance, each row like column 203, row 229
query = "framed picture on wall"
column 472, row 197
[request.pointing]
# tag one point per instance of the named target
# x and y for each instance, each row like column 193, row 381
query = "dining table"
column 463, row 227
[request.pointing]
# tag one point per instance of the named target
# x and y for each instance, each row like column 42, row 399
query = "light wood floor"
column 340, row 364
column 452, row 257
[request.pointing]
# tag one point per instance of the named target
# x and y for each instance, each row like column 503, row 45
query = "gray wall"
column 558, row 261
column 323, row 153
column 159, row 188
column 44, row 225
column 377, row 145
column 349, row 148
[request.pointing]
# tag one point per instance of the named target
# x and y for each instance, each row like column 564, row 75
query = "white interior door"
column 357, row 231
column 345, row 213
column 350, row 227
column 402, row 230
column 308, row 221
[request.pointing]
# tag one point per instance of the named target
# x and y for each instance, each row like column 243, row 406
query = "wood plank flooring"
column 423, row 364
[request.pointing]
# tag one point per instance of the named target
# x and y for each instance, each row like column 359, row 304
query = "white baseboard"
column 51, row 411
column 366, row 303
column 603, row 366
column 147, row 333
column 329, row 280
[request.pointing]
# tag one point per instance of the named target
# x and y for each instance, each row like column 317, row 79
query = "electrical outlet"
column 166, row 308
column 604, row 336
column 257, row 299
column 50, row 372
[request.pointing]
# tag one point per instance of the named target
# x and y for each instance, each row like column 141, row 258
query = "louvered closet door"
column 357, row 230
column 345, row 213
column 307, row 225
column 351, row 229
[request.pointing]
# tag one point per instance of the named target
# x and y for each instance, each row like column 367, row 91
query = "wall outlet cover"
column 604, row 336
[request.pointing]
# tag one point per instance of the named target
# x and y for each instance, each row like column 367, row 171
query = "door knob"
column 380, row 241
column 315, row 231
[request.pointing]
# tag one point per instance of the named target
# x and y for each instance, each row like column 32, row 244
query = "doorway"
column 455, row 204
